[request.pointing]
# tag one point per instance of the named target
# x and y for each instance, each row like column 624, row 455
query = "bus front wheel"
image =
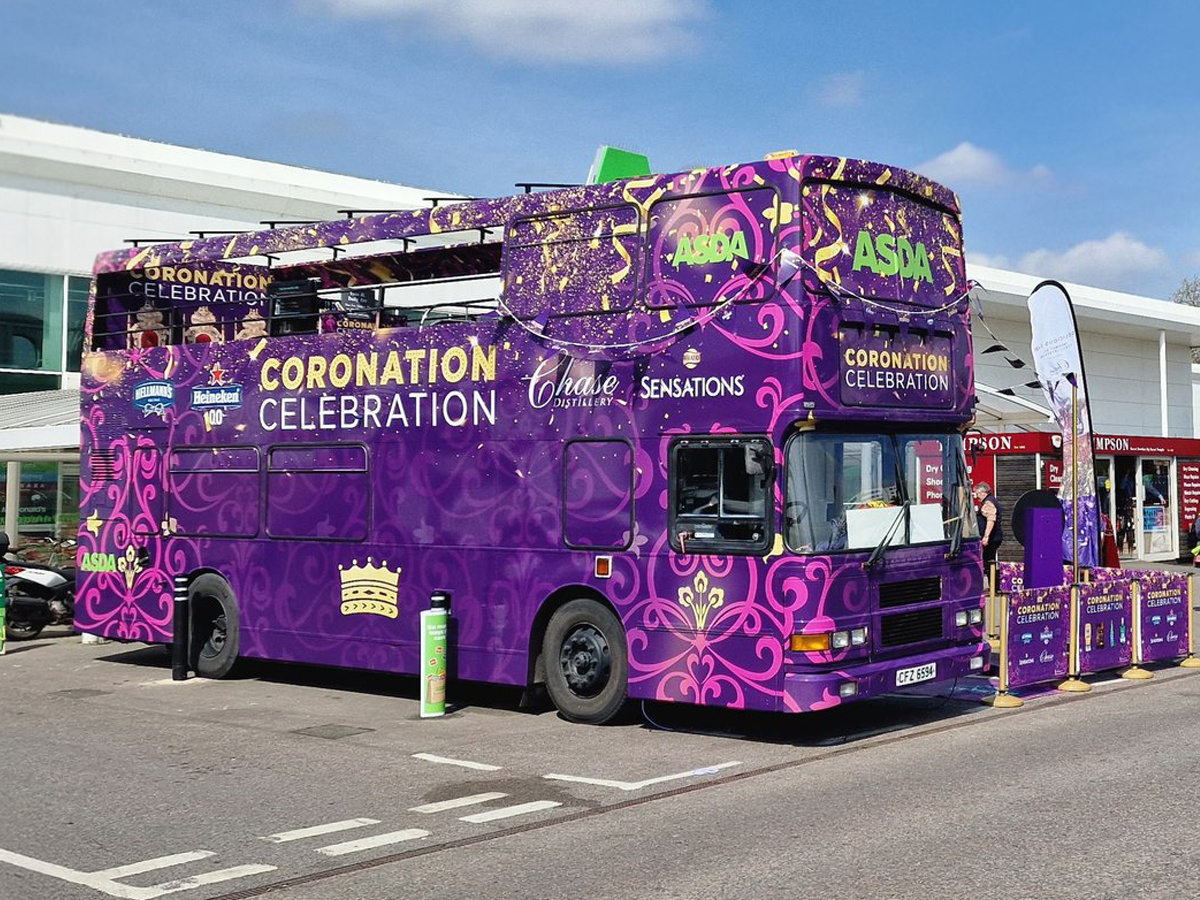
column 215, row 635
column 587, row 665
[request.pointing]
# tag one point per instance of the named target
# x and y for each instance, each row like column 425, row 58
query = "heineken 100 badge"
column 434, row 638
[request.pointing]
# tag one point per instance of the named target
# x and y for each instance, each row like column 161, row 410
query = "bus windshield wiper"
column 886, row 540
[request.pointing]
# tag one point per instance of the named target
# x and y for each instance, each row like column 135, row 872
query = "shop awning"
column 1001, row 411
column 38, row 423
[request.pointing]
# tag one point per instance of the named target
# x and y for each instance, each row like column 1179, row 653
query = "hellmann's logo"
column 704, row 249
column 886, row 254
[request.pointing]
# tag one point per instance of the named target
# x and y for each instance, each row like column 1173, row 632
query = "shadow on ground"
column 842, row 724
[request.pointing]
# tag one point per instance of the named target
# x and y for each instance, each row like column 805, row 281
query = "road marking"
column 149, row 865
column 379, row 840
column 470, row 800
column 638, row 785
column 300, row 834
column 447, row 761
column 216, row 877
column 507, row 812
column 103, row 882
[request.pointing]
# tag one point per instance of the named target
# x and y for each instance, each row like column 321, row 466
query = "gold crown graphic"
column 370, row 589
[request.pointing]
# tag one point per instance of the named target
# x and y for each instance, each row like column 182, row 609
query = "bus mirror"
column 757, row 461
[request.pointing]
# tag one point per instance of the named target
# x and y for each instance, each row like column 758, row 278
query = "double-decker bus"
column 693, row 437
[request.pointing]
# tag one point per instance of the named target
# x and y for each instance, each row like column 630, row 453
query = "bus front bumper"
column 806, row 691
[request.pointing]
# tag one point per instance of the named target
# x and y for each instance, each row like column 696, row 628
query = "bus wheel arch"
column 582, row 655
column 215, row 639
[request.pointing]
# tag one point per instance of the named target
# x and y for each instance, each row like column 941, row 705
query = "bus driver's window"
column 720, row 488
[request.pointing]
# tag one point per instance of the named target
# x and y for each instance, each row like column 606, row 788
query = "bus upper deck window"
column 720, row 489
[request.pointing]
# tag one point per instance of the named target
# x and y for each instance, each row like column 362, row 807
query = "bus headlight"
column 975, row 616
column 840, row 640
column 848, row 689
column 858, row 636
column 960, row 619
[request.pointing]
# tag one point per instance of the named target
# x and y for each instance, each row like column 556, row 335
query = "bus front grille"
column 911, row 627
column 906, row 593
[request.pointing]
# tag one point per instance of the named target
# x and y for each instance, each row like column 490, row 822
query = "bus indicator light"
column 809, row 643
column 603, row 566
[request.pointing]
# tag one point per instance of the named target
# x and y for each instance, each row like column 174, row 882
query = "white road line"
column 149, row 865
column 379, row 840
column 300, row 834
column 74, row 876
column 638, row 785
column 464, row 763
column 470, row 800
column 195, row 881
column 507, row 812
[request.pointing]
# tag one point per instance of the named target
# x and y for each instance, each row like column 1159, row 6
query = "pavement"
column 299, row 783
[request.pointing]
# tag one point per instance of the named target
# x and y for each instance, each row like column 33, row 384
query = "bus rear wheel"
column 215, row 635
column 587, row 665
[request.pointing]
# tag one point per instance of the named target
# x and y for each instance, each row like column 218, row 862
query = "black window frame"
column 721, row 545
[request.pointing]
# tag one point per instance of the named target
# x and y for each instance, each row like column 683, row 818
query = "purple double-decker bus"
column 692, row 437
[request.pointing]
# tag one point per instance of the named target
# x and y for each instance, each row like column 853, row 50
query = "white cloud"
column 995, row 260
column 968, row 165
column 579, row 31
column 1192, row 260
column 1119, row 261
column 842, row 90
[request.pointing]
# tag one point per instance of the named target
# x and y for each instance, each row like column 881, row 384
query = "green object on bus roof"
column 613, row 164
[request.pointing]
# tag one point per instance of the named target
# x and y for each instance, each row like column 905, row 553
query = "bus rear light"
column 809, row 643
column 858, row 636
column 603, row 566
column 848, row 689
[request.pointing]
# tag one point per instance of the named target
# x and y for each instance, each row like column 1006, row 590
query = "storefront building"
column 1147, row 487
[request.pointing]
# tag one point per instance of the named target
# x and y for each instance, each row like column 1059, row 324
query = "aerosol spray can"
column 435, row 635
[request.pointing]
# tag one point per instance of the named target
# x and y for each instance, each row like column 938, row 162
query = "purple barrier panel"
column 1039, row 626
column 1165, row 615
column 1105, row 625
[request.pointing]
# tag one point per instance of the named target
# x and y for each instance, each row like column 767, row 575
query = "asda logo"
column 886, row 254
column 704, row 249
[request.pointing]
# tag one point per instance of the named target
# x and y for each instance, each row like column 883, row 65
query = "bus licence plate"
column 916, row 674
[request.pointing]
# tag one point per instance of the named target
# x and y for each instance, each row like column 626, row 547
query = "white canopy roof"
column 41, row 421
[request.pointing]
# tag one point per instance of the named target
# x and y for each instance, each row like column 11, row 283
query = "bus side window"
column 598, row 495
column 318, row 491
column 721, row 490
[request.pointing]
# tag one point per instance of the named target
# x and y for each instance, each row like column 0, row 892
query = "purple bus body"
column 336, row 479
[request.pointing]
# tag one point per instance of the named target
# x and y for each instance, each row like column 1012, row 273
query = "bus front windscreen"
column 853, row 491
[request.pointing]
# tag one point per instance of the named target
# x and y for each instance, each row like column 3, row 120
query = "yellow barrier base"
column 1075, row 686
column 1137, row 673
column 1003, row 701
column 994, row 643
column 1190, row 663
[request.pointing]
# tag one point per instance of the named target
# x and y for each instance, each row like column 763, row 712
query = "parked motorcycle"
column 38, row 595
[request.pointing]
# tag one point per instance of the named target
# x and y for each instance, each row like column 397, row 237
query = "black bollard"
column 179, row 640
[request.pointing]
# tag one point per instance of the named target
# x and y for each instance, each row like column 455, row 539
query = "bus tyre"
column 215, row 636
column 587, row 665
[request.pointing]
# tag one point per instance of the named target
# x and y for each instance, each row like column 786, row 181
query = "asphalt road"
column 297, row 783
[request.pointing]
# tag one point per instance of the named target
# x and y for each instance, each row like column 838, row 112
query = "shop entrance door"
column 1127, row 504
column 1106, row 500
column 1156, row 525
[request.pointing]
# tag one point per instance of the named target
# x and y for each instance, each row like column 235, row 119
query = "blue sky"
column 1071, row 130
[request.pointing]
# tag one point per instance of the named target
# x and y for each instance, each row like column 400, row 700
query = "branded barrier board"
column 1039, row 624
column 1105, row 625
column 1165, row 615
